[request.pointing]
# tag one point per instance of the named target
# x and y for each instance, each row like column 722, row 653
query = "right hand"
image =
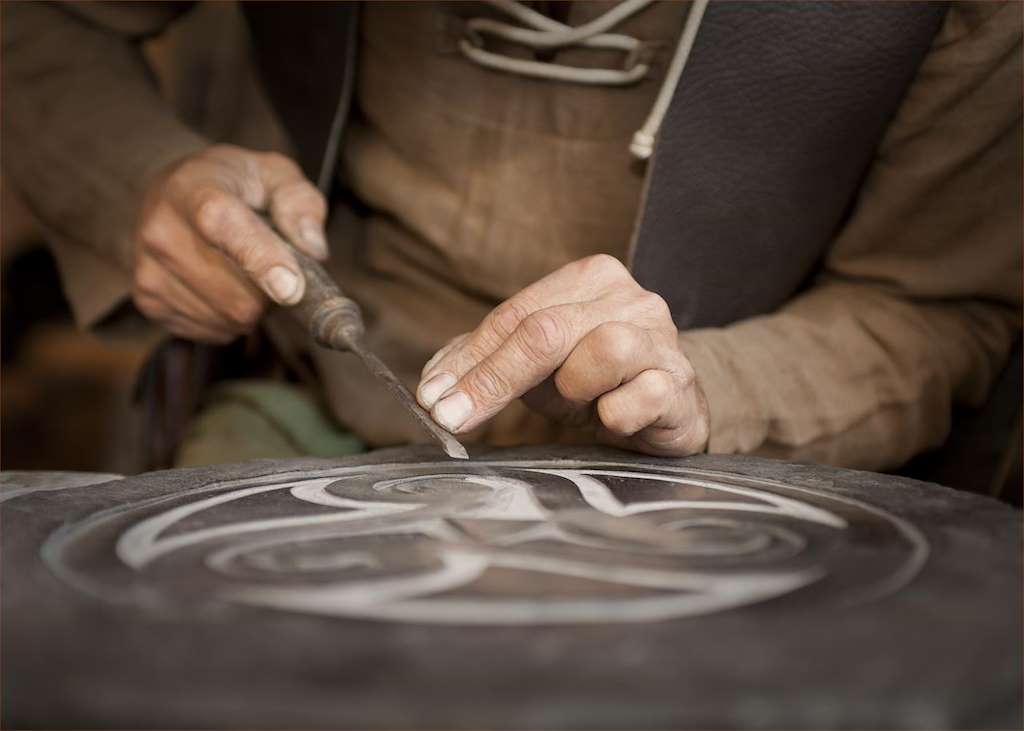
column 205, row 261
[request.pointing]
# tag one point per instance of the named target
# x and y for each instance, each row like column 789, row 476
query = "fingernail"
column 313, row 236
column 452, row 411
column 283, row 284
column 432, row 389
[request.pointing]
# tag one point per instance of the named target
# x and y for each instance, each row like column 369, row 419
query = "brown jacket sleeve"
column 83, row 128
column 918, row 302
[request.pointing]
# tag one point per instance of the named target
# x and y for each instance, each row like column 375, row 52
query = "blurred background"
column 66, row 396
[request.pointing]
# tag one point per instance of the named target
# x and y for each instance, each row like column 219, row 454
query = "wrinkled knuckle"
column 686, row 375
column 616, row 417
column 614, row 342
column 253, row 258
column 658, row 385
column 487, row 386
column 604, row 266
column 212, row 212
column 542, row 336
column 654, row 305
column 568, row 385
column 152, row 234
column 506, row 318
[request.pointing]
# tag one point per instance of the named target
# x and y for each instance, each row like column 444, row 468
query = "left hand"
column 585, row 345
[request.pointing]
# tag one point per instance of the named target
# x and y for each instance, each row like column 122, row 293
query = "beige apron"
column 477, row 183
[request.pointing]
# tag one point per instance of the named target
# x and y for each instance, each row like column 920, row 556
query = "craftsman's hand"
column 586, row 345
column 205, row 261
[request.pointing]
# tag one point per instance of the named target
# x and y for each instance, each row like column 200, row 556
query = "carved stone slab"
column 542, row 587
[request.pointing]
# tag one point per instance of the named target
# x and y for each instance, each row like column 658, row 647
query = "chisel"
column 336, row 322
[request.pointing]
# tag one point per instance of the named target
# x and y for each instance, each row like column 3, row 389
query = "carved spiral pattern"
column 494, row 543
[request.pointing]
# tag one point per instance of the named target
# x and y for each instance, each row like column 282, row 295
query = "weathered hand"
column 586, row 345
column 204, row 258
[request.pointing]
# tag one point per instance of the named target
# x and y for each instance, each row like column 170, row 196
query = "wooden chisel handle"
column 334, row 320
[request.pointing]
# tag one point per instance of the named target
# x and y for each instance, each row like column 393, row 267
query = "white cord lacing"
column 545, row 33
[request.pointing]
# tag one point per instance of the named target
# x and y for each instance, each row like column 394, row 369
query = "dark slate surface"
column 945, row 651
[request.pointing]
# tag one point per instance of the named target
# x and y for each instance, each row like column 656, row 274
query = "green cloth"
column 259, row 419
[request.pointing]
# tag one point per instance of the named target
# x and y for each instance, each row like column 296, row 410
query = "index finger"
column 226, row 222
column 581, row 280
column 535, row 350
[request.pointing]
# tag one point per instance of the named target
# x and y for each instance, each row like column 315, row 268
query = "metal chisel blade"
column 452, row 447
